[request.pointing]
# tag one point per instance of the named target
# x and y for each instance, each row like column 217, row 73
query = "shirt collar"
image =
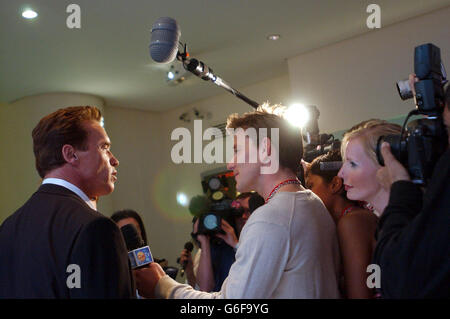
column 69, row 186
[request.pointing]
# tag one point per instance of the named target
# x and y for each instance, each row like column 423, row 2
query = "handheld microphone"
column 138, row 254
column 189, row 247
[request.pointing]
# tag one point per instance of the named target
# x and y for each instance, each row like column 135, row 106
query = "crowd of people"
column 306, row 241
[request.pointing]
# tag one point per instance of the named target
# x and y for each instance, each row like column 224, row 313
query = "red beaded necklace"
column 276, row 188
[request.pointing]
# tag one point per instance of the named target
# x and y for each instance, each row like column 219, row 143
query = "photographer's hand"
column 186, row 257
column 202, row 239
column 393, row 171
column 412, row 79
column 230, row 236
column 205, row 274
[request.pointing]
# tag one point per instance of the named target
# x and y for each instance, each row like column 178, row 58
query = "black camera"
column 425, row 139
column 210, row 222
column 316, row 144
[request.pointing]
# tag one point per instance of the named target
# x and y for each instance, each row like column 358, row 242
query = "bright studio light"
column 29, row 14
column 297, row 115
column 170, row 75
column 182, row 199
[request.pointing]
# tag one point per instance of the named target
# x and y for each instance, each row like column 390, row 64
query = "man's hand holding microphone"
column 146, row 272
column 147, row 278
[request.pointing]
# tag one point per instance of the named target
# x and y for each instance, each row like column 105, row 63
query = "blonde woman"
column 355, row 225
column 360, row 164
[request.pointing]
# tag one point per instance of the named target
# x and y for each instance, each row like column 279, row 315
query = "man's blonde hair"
column 368, row 132
column 268, row 117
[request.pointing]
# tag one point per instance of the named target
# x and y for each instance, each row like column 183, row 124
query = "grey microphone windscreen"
column 164, row 40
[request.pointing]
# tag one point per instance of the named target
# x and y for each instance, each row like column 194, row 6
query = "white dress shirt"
column 71, row 187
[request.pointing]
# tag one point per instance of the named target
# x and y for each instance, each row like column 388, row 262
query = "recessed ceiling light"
column 273, row 37
column 29, row 14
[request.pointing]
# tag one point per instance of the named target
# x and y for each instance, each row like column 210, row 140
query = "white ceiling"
column 108, row 56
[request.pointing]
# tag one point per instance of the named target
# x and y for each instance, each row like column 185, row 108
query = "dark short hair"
column 129, row 213
column 326, row 175
column 290, row 144
column 65, row 126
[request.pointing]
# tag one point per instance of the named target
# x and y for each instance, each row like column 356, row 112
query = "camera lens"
column 404, row 90
column 398, row 148
column 210, row 222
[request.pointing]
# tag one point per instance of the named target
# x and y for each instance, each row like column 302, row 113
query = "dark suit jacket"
column 52, row 230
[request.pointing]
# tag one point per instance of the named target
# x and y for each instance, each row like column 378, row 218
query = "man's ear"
column 68, row 153
column 336, row 184
column 267, row 144
column 265, row 149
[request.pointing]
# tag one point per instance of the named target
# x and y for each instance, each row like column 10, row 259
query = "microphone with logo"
column 189, row 247
column 138, row 254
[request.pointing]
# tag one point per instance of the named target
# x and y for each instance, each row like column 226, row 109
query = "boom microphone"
column 138, row 254
column 164, row 40
column 164, row 49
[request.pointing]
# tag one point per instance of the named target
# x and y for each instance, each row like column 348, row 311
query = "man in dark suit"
column 57, row 245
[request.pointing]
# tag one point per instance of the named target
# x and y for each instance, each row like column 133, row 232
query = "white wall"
column 354, row 80
column 17, row 169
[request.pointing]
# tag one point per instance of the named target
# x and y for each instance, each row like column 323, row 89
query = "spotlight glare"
column 170, row 75
column 297, row 115
column 29, row 14
column 182, row 199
